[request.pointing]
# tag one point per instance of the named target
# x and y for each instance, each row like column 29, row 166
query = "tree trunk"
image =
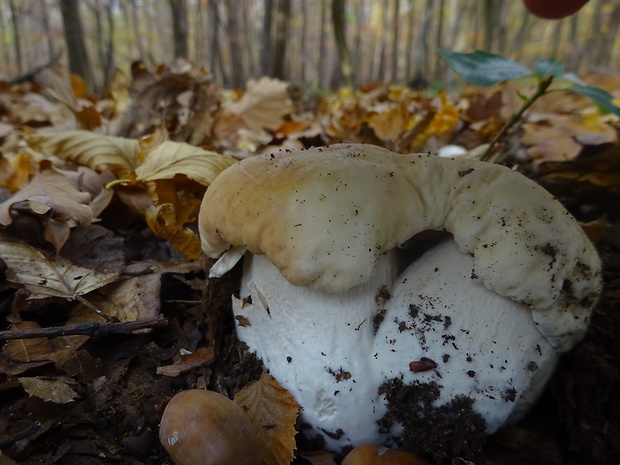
column 78, row 56
column 217, row 62
column 179, row 27
column 395, row 33
column 323, row 46
column 17, row 36
column 135, row 25
column 283, row 14
column 267, row 40
column 344, row 55
column 234, row 40
column 383, row 54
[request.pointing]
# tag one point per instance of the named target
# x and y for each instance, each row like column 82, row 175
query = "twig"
column 93, row 329
column 540, row 91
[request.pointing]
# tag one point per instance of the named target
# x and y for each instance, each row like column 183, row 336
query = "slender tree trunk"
column 235, row 47
column 489, row 23
column 383, row 54
column 17, row 36
column 249, row 43
column 78, row 56
column 304, row 40
column 420, row 77
column 179, row 27
column 439, row 64
column 282, row 19
column 135, row 25
column 267, row 39
column 217, row 61
column 557, row 39
column 395, row 34
column 409, row 38
column 323, row 46
column 344, row 55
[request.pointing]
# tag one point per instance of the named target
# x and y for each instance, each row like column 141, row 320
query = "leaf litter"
column 98, row 207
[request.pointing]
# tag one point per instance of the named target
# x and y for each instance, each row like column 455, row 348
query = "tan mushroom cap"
column 324, row 215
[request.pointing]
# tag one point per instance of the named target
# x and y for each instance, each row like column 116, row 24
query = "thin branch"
column 93, row 329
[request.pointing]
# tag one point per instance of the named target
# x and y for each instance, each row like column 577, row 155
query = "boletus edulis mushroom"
column 334, row 315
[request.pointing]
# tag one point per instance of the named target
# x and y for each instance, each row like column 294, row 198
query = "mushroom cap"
column 322, row 216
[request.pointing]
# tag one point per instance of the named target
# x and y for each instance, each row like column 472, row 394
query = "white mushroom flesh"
column 332, row 352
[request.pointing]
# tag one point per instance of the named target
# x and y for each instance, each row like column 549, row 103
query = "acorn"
column 202, row 427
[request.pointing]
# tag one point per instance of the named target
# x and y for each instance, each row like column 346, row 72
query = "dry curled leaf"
column 273, row 412
column 163, row 221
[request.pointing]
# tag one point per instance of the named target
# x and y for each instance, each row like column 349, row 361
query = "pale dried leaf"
column 51, row 190
column 87, row 148
column 52, row 390
column 130, row 299
column 171, row 158
column 264, row 103
column 273, row 412
column 50, row 276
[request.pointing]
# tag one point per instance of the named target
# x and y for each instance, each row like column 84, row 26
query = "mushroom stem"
column 317, row 344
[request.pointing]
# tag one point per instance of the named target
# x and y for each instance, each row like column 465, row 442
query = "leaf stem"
column 541, row 90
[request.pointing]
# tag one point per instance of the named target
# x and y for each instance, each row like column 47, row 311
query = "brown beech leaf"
column 98, row 152
column 264, row 103
column 186, row 362
column 50, row 276
column 169, row 159
column 52, row 390
column 28, row 350
column 273, row 412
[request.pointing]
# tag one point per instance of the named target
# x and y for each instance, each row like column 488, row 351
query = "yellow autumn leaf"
column 273, row 412
column 98, row 152
column 443, row 121
column 170, row 158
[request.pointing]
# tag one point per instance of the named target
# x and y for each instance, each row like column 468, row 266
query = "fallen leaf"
column 162, row 219
column 50, row 276
column 52, row 390
column 130, row 299
column 264, row 104
column 173, row 158
column 87, row 148
column 28, row 350
column 273, row 412
column 187, row 362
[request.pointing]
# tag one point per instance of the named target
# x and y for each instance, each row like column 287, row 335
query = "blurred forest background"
column 319, row 43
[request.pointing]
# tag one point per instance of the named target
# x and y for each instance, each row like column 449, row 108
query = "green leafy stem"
column 486, row 69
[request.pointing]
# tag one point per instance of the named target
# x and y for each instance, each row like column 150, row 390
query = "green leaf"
column 599, row 96
column 484, row 68
column 546, row 67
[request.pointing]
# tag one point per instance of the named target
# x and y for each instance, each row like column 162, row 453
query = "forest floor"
column 97, row 396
